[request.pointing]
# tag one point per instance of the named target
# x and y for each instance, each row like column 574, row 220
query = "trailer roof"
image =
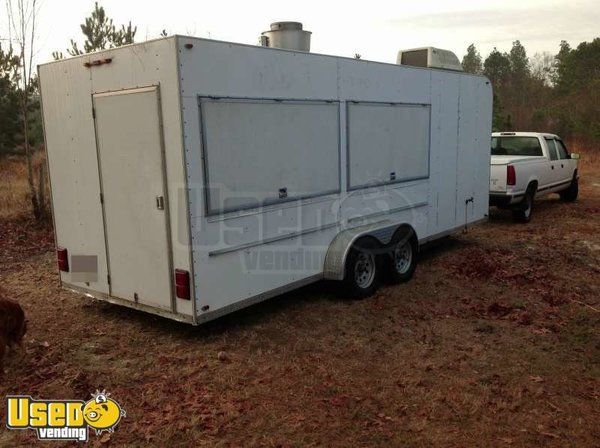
column 177, row 36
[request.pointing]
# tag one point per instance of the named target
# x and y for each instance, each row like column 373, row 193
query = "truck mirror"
column 575, row 156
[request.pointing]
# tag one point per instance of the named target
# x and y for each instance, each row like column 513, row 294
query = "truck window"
column 516, row 146
column 552, row 148
column 562, row 151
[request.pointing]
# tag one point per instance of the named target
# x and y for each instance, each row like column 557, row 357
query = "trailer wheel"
column 571, row 193
column 525, row 208
column 361, row 277
column 401, row 262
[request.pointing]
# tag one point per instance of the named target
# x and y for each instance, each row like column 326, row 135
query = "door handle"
column 160, row 202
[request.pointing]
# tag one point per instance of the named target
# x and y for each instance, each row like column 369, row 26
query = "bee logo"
column 102, row 413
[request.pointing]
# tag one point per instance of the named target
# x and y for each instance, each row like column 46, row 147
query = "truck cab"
column 526, row 165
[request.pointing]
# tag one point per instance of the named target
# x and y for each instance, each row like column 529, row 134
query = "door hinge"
column 108, row 278
column 101, row 198
column 94, row 113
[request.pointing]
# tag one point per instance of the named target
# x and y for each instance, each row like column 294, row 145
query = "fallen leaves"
column 477, row 346
column 525, row 318
column 22, row 239
column 498, row 310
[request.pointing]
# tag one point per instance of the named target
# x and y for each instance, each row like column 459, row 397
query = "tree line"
column 18, row 82
column 551, row 93
column 548, row 93
column 20, row 115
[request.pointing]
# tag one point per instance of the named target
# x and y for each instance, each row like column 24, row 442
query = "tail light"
column 511, row 176
column 63, row 259
column 182, row 284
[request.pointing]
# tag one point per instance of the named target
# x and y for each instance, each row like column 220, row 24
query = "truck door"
column 555, row 173
column 566, row 170
column 131, row 164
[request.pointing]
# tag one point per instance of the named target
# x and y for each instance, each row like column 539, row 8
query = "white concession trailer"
column 193, row 177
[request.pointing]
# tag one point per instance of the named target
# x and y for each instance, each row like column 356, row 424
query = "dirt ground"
column 495, row 342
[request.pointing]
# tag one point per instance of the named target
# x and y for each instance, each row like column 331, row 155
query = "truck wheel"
column 571, row 193
column 402, row 261
column 361, row 278
column 523, row 213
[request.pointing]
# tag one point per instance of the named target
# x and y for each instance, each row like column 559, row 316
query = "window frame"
column 350, row 187
column 551, row 139
column 204, row 154
column 507, row 137
column 568, row 154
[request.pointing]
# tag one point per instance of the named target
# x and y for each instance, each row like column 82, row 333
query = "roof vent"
column 286, row 35
column 429, row 57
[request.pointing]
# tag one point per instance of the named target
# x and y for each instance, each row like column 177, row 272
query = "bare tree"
column 22, row 15
column 543, row 67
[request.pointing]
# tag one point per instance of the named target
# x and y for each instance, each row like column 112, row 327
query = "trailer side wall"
column 242, row 255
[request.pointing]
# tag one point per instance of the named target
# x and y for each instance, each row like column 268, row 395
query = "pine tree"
column 100, row 33
column 497, row 68
column 519, row 64
column 562, row 64
column 472, row 61
column 9, row 101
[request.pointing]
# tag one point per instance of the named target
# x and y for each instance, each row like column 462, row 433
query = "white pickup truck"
column 525, row 165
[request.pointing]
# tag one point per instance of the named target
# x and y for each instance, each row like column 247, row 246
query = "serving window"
column 260, row 152
column 387, row 143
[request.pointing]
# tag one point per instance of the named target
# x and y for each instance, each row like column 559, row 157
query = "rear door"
column 566, row 169
column 131, row 162
column 555, row 173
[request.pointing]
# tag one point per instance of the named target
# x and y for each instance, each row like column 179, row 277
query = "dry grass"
column 590, row 157
column 14, row 192
column 14, row 188
column 495, row 342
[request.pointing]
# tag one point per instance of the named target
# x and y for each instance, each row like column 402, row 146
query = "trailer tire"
column 571, row 193
column 362, row 270
column 401, row 261
column 525, row 208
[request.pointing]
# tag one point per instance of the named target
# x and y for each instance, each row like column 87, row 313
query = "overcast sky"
column 374, row 28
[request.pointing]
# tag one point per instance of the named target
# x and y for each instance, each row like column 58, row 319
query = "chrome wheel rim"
column 364, row 270
column 403, row 258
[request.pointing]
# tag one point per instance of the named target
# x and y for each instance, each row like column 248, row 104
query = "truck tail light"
column 511, row 177
column 62, row 257
column 182, row 284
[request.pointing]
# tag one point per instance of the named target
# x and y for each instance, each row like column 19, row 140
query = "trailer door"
column 131, row 163
column 466, row 162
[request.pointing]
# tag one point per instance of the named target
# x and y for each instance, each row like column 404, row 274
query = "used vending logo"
column 64, row 419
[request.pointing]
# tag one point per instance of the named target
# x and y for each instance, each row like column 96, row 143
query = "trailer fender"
column 335, row 259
